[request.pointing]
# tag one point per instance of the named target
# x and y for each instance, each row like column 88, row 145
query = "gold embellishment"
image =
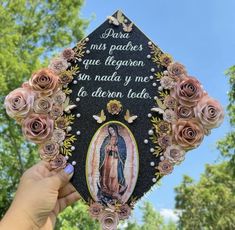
column 114, row 107
column 67, row 144
column 80, row 49
column 160, row 58
column 130, row 118
column 120, row 20
column 100, row 118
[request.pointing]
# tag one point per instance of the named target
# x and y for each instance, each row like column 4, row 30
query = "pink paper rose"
column 59, row 97
column 164, row 140
column 68, row 54
column 188, row 133
column 174, row 154
column 176, row 70
column 184, row 112
column 209, row 112
column 49, row 150
column 124, row 212
column 108, row 220
column 44, row 81
column 165, row 167
column 188, row 92
column 58, row 65
column 19, row 102
column 37, row 128
column 95, row 209
column 58, row 162
column 42, row 105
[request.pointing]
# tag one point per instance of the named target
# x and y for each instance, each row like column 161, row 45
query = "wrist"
column 17, row 218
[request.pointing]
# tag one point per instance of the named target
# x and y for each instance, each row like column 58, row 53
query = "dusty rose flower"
column 58, row 65
column 95, row 209
column 188, row 92
column 68, row 54
column 44, row 82
column 163, row 127
column 58, row 136
column 114, row 107
column 19, row 102
column 48, row 150
column 124, row 212
column 42, row 105
column 58, row 162
column 166, row 59
column 184, row 112
column 59, row 97
column 209, row 112
column 174, row 154
column 164, row 141
column 37, row 127
column 165, row 167
column 56, row 111
column 65, row 77
column 108, row 220
column 26, row 85
column 167, row 82
column 170, row 102
column 61, row 123
column 176, row 70
column 188, row 133
column 169, row 116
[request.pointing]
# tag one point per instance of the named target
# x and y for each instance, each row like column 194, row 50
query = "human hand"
column 41, row 195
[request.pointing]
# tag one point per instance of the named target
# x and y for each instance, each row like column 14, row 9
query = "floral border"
column 182, row 115
column 43, row 108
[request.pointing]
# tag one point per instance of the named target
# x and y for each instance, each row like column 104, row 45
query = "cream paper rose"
column 209, row 112
column 37, row 127
column 19, row 103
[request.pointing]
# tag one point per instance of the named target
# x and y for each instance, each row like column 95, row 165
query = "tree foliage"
column 30, row 32
column 210, row 203
column 151, row 220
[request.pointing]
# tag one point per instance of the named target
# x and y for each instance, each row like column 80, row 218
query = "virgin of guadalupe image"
column 112, row 184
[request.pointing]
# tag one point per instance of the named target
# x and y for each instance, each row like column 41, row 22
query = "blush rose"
column 19, row 102
column 37, row 128
column 44, row 81
column 188, row 133
column 188, row 92
column 209, row 112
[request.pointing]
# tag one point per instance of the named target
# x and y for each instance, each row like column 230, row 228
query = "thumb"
column 60, row 179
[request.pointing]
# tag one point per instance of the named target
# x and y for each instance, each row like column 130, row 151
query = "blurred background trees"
column 210, row 203
column 30, row 31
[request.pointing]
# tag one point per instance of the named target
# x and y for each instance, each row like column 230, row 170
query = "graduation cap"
column 118, row 109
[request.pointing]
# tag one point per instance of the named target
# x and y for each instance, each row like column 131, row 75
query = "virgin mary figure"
column 111, row 166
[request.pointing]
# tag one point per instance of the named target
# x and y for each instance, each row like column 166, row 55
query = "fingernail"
column 69, row 169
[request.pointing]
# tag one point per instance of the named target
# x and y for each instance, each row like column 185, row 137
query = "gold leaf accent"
column 67, row 91
column 67, row 144
column 159, row 75
column 163, row 94
column 80, row 48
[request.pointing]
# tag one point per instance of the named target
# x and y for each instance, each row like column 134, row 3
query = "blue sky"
column 201, row 35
